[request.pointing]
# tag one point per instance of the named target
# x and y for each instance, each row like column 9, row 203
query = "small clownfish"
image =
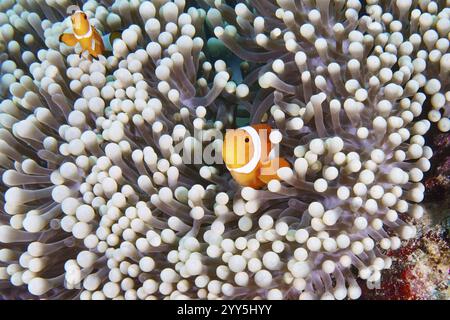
column 84, row 34
column 250, row 156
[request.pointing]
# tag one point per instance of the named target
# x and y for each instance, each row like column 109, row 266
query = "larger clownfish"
column 84, row 34
column 250, row 156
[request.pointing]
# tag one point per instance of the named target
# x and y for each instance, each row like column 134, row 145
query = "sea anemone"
column 114, row 186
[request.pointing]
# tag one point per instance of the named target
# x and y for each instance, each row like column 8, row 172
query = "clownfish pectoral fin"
column 68, row 39
column 268, row 169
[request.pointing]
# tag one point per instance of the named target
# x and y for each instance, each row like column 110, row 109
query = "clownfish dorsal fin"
column 262, row 126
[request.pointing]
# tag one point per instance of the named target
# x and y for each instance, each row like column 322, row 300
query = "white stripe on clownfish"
column 87, row 34
column 251, row 165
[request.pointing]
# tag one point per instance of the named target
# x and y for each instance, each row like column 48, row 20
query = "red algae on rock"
column 420, row 270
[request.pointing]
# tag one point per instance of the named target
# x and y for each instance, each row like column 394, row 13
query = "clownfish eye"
column 247, row 140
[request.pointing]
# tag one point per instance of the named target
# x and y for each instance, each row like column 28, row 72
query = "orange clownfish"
column 84, row 34
column 250, row 156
